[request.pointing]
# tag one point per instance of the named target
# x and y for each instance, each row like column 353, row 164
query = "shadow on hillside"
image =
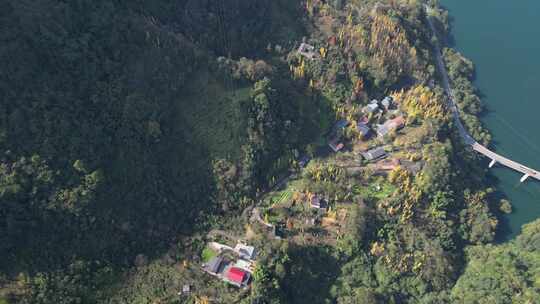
column 312, row 272
column 239, row 28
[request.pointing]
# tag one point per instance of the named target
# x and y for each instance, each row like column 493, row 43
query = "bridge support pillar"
column 492, row 163
column 524, row 178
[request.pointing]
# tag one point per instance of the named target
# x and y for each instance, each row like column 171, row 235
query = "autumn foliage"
column 421, row 102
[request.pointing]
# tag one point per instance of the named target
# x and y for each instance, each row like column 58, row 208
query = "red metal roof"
column 236, row 275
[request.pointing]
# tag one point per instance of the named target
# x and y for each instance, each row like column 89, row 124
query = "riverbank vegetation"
column 134, row 133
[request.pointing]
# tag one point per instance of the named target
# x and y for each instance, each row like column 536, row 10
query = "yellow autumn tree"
column 323, row 51
column 406, row 207
column 377, row 249
column 389, row 43
column 299, row 71
column 421, row 102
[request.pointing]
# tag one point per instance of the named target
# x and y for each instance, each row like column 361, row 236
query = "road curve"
column 467, row 138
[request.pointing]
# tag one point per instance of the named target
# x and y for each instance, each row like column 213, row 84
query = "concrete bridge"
column 467, row 138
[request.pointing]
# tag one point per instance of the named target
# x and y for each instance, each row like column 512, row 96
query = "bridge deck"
column 505, row 161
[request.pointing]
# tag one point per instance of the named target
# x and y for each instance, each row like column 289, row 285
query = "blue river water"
column 502, row 38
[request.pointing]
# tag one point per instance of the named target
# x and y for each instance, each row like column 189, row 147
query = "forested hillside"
column 112, row 113
column 133, row 133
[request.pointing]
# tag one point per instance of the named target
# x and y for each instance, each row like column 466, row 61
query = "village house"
column 306, row 50
column 363, row 129
column 382, row 130
column 390, row 125
column 237, row 277
column 340, row 125
column 364, row 120
column 317, row 202
column 371, row 108
column 242, row 250
column 236, row 273
column 215, row 266
column 278, row 231
column 245, row 265
column 387, row 102
column 245, row 252
column 217, row 247
column 375, row 154
column 186, row 289
column 335, row 144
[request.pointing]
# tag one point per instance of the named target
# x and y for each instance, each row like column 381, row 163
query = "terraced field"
column 283, row 197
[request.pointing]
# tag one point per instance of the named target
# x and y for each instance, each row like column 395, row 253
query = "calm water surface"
column 502, row 38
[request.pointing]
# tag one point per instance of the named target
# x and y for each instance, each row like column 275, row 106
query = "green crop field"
column 278, row 198
column 285, row 195
column 384, row 190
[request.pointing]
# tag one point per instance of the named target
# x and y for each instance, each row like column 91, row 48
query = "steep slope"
column 111, row 115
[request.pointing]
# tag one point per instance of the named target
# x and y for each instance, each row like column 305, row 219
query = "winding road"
column 467, row 138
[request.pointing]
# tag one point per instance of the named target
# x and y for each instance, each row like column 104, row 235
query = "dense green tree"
column 505, row 273
column 36, row 203
column 356, row 229
column 81, row 282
